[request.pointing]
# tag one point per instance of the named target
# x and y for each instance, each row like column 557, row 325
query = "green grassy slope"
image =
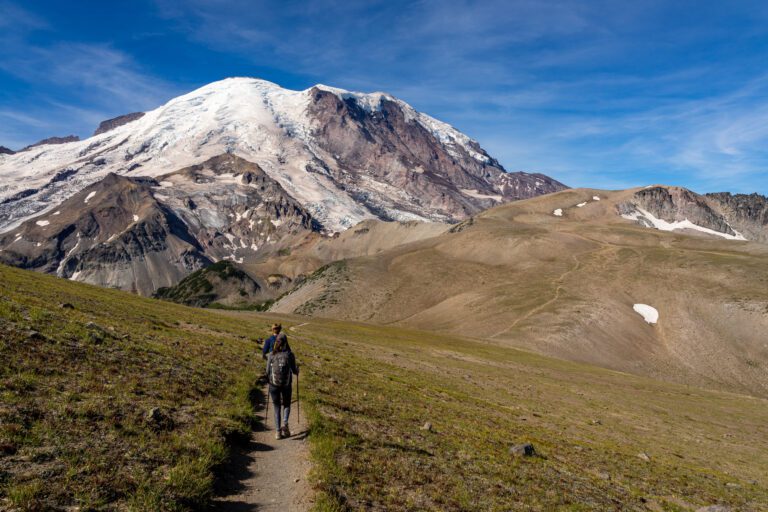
column 77, row 426
column 373, row 388
column 204, row 287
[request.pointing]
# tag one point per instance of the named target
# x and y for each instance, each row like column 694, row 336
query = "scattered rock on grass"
column 714, row 508
column 66, row 305
column 158, row 419
column 524, row 450
column 34, row 335
column 427, row 426
column 644, row 456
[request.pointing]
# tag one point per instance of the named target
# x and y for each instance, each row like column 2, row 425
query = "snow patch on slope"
column 649, row 313
column 478, row 195
column 649, row 220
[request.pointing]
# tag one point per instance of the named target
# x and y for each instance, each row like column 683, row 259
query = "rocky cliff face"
column 114, row 233
column 748, row 213
column 6, row 151
column 111, row 124
column 674, row 204
column 141, row 234
column 233, row 208
column 732, row 216
column 391, row 162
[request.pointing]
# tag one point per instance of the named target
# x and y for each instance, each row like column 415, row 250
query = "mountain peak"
column 345, row 156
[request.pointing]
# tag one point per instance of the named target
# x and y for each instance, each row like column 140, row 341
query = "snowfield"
column 649, row 313
column 558, row 212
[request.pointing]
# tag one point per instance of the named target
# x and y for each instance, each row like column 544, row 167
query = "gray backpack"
column 280, row 369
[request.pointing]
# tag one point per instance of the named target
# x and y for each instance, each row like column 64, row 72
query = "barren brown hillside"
column 565, row 286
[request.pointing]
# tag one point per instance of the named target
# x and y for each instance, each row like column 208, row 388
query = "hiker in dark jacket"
column 267, row 348
column 281, row 366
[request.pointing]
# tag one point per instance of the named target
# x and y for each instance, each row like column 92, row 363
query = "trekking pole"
column 298, row 402
column 266, row 411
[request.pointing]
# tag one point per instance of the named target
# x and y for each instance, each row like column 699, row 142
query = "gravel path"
column 267, row 474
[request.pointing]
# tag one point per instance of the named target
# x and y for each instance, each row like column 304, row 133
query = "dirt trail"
column 268, row 474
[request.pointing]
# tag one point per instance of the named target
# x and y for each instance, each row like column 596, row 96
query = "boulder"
column 158, row 419
column 522, row 450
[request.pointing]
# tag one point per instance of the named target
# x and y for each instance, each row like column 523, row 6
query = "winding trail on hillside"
column 267, row 474
column 558, row 283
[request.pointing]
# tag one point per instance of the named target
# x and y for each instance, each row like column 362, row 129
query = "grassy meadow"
column 109, row 401
column 604, row 440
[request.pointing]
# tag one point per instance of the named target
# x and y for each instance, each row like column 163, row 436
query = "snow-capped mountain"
column 234, row 170
column 345, row 156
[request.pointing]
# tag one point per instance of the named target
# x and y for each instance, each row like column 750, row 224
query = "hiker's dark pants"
column 281, row 397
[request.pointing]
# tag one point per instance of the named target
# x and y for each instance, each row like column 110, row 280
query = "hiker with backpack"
column 270, row 342
column 281, row 366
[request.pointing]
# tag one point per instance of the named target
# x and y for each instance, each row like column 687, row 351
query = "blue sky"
column 603, row 94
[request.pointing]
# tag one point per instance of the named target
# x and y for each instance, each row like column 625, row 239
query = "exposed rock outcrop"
column 748, row 213
column 114, row 233
column 677, row 204
column 392, row 162
column 675, row 208
column 53, row 140
column 141, row 234
column 6, row 151
column 111, row 124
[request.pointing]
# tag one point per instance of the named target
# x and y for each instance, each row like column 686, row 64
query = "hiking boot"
column 278, row 434
column 286, row 432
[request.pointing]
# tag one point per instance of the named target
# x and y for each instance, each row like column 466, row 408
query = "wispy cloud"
column 101, row 74
column 71, row 85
